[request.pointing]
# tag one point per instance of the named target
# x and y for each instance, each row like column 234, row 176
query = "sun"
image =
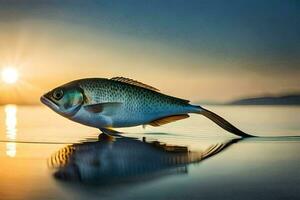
column 9, row 75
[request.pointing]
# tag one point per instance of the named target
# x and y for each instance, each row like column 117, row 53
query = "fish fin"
column 108, row 134
column 134, row 82
column 105, row 108
column 221, row 122
column 111, row 132
column 168, row 119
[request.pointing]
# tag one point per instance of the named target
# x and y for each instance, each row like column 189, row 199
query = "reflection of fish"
column 122, row 102
column 124, row 159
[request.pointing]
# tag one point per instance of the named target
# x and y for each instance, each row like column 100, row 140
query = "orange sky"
column 49, row 52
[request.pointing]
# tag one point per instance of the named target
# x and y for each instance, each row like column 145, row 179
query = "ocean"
column 45, row 156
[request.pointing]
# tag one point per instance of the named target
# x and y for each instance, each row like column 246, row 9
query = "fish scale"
column 134, row 98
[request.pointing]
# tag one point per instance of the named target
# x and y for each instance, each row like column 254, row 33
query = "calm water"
column 44, row 156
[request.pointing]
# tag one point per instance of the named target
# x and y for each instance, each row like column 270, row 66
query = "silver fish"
column 122, row 102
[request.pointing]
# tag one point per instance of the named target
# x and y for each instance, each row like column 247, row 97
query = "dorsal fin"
column 134, row 82
column 168, row 119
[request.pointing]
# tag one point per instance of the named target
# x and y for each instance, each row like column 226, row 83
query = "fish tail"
column 220, row 121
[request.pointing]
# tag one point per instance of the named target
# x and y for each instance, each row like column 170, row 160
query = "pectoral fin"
column 105, row 108
column 168, row 119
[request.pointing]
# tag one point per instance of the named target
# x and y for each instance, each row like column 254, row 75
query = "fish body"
column 122, row 102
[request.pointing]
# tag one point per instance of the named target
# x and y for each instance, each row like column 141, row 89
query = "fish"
column 104, row 161
column 123, row 102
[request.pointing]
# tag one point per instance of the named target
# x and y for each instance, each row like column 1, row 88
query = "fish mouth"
column 49, row 103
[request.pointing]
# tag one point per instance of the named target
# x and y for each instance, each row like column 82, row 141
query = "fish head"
column 65, row 100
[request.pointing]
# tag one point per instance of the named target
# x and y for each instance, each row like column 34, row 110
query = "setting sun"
column 9, row 75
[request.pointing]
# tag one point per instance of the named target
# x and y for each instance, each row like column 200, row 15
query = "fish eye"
column 58, row 94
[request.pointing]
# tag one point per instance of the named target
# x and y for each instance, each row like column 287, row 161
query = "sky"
column 202, row 50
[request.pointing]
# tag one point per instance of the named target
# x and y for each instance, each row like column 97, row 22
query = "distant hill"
column 293, row 99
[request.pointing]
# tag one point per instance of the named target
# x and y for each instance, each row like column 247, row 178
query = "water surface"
column 256, row 168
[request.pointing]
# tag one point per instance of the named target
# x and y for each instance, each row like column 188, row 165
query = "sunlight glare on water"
column 11, row 149
column 11, row 129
